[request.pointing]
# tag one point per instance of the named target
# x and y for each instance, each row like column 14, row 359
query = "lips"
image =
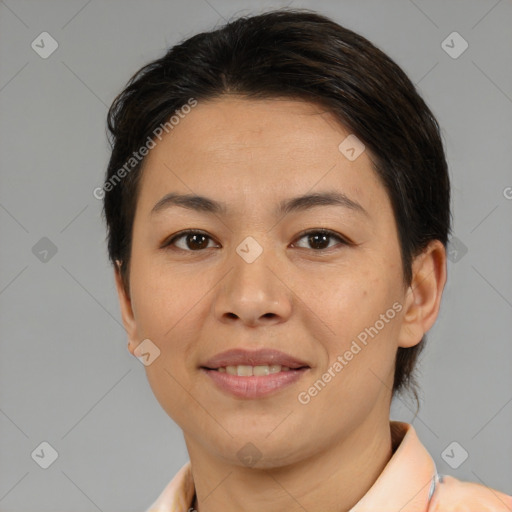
column 254, row 387
column 236, row 357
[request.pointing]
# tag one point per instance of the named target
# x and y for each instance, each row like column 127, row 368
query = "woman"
column 278, row 209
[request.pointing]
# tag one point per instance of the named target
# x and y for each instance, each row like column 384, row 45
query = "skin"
column 298, row 297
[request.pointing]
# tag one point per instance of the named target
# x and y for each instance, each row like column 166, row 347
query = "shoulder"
column 453, row 495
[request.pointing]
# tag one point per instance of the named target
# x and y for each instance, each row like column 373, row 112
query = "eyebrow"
column 294, row 204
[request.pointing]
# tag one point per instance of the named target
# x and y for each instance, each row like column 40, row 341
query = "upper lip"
column 265, row 356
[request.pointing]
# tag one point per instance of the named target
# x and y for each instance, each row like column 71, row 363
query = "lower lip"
column 254, row 386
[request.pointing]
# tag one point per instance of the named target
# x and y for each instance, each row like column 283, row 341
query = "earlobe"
column 423, row 297
column 125, row 306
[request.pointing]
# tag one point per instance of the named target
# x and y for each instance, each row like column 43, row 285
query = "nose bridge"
column 252, row 292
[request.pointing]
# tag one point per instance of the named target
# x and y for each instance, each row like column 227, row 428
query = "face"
column 254, row 276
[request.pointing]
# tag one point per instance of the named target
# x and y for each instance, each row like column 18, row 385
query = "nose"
column 253, row 293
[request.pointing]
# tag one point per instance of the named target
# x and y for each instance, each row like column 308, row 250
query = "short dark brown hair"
column 296, row 54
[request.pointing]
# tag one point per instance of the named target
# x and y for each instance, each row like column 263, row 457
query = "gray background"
column 66, row 376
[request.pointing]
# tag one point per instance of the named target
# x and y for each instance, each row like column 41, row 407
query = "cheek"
column 167, row 385
column 166, row 316
column 365, row 322
column 161, row 300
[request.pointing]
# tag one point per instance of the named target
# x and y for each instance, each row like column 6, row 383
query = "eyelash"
column 322, row 231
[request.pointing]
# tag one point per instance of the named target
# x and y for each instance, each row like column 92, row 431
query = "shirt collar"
column 406, row 484
column 408, row 480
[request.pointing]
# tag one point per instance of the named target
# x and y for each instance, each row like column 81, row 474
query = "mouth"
column 247, row 373
column 252, row 382
column 263, row 361
column 262, row 370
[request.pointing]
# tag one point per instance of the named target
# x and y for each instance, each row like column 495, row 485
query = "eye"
column 194, row 240
column 319, row 238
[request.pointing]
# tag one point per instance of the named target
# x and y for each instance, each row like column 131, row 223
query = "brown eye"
column 193, row 240
column 319, row 239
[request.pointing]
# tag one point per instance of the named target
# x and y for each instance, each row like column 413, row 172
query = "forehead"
column 239, row 150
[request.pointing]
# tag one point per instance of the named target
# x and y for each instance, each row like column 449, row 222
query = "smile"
column 249, row 382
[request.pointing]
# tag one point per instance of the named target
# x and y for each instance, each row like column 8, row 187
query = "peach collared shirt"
column 408, row 483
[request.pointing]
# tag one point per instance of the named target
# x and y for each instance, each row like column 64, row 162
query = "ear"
column 423, row 297
column 125, row 305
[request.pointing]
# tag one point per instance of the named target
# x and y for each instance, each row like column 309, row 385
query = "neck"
column 332, row 480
